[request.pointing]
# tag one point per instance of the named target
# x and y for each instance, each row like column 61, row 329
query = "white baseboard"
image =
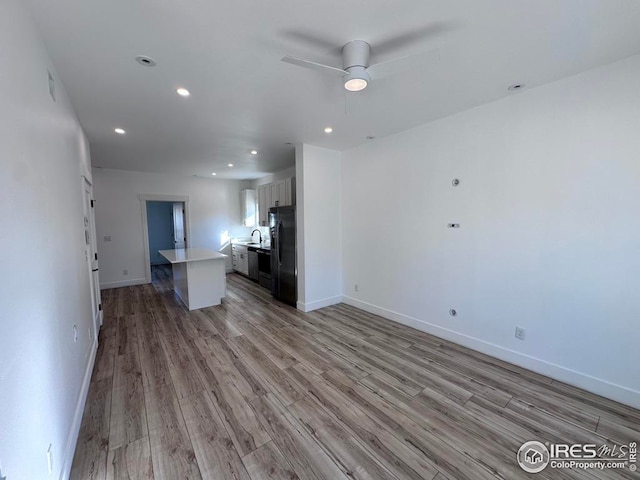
column 72, row 440
column 123, row 283
column 587, row 382
column 325, row 302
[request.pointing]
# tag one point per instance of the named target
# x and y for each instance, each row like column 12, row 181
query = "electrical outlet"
column 107, row 238
column 75, row 334
column 520, row 333
column 125, row 272
column 355, row 287
column 50, row 458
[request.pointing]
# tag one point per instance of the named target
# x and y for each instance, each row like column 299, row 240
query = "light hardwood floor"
column 253, row 389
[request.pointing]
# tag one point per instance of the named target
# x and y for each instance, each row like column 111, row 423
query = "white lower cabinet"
column 240, row 258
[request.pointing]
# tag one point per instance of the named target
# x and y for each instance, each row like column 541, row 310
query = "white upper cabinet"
column 277, row 194
column 282, row 193
column 248, row 207
column 264, row 203
column 285, row 187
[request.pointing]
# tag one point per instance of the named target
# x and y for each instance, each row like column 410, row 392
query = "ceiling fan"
column 356, row 72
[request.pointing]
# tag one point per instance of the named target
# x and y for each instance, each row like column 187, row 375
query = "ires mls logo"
column 534, row 456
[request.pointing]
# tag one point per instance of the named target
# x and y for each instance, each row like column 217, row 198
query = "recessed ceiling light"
column 214, row 174
column 254, row 152
column 516, row 86
column 231, row 164
column 328, row 130
column 119, row 131
column 146, row 61
column 183, row 92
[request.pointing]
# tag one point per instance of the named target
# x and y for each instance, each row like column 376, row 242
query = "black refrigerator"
column 282, row 227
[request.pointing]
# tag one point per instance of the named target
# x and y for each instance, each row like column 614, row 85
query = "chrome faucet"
column 259, row 233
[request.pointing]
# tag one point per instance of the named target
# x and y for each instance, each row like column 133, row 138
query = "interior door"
column 91, row 255
column 179, row 237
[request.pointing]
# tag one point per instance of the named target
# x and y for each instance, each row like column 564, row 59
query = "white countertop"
column 182, row 255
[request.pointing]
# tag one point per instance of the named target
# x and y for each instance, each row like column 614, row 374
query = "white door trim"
column 94, row 280
column 144, row 198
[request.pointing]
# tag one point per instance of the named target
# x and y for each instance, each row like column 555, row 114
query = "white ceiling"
column 243, row 97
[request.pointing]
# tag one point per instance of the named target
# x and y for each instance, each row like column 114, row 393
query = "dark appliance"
column 253, row 263
column 264, row 267
column 282, row 228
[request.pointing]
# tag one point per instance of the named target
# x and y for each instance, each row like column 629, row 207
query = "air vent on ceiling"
column 146, row 61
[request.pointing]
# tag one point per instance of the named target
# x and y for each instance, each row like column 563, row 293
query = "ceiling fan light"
column 355, row 84
column 357, row 80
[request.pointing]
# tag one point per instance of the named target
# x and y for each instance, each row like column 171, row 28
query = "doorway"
column 165, row 229
column 165, row 220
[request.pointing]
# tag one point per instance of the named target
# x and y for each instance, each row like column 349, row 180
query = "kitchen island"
column 198, row 276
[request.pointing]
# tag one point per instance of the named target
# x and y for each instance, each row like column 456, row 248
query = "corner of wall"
column 598, row 386
column 300, row 239
column 74, row 433
column 325, row 302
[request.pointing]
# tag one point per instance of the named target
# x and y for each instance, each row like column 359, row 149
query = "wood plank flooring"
column 254, row 390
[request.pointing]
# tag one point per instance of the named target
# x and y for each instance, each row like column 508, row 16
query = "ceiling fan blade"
column 315, row 66
column 316, row 41
column 416, row 35
column 401, row 64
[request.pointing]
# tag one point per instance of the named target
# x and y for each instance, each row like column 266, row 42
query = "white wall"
column 318, row 227
column 214, row 217
column 550, row 228
column 45, row 279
